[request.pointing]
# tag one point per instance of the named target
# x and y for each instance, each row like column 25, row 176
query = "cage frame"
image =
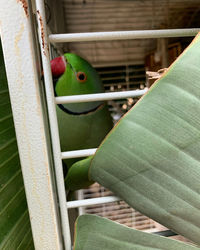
column 45, row 191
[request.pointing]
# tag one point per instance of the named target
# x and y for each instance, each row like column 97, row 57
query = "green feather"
column 77, row 177
column 68, row 84
column 87, row 129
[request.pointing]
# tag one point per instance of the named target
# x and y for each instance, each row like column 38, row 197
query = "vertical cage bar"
column 44, row 46
column 80, row 196
column 23, row 82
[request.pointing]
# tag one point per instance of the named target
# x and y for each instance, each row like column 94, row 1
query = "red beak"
column 58, row 66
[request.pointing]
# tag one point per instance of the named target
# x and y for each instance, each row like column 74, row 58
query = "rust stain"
column 34, row 192
column 17, row 52
column 46, row 163
column 29, row 157
column 18, row 38
column 25, row 6
column 24, row 121
column 44, row 46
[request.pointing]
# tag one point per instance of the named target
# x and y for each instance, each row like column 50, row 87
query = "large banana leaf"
column 96, row 233
column 15, row 229
column 151, row 159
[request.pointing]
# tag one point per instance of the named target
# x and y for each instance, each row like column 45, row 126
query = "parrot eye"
column 81, row 76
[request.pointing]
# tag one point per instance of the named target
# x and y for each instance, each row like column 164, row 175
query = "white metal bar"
column 100, row 97
column 24, row 90
column 44, row 45
column 80, row 196
column 91, row 202
column 122, row 35
column 78, row 153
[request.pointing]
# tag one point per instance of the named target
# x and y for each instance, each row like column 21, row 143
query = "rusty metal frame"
column 24, row 80
column 44, row 48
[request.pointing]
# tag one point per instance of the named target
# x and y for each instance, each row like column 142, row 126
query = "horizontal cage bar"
column 100, row 97
column 78, row 153
column 109, row 199
column 122, row 35
column 92, row 201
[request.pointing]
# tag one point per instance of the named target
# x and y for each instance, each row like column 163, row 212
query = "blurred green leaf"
column 96, row 233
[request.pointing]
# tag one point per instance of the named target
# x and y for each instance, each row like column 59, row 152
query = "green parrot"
column 81, row 125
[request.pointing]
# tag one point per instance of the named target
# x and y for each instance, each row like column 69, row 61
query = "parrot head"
column 75, row 76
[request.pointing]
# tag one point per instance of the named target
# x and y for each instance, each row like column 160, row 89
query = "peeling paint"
column 25, row 6
column 44, row 46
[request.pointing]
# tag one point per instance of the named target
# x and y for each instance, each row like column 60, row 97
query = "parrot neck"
column 79, row 113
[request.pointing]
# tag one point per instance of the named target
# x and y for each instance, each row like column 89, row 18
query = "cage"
column 122, row 40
